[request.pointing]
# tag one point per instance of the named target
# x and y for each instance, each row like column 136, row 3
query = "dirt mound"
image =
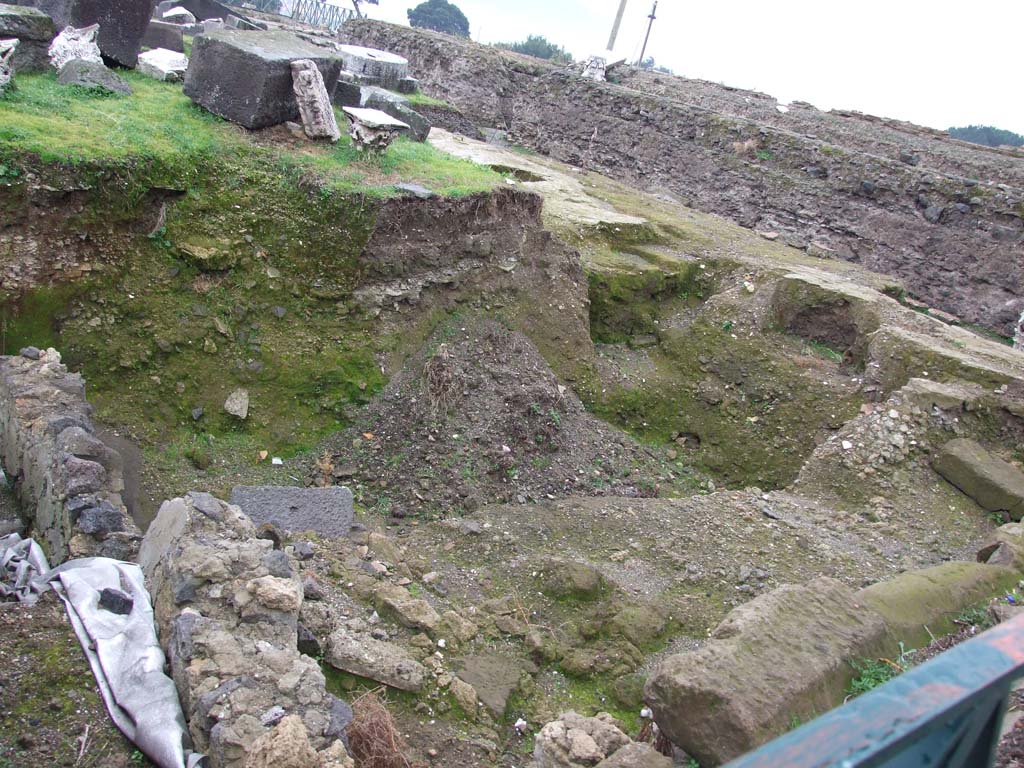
column 478, row 417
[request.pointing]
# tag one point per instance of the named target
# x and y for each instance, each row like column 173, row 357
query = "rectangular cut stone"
column 328, row 511
column 122, row 22
column 993, row 483
column 246, row 77
column 374, row 118
column 160, row 34
column 34, row 30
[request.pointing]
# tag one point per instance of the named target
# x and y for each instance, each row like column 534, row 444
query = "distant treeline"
column 987, row 135
column 539, row 46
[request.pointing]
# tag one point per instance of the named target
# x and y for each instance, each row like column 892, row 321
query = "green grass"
column 422, row 100
column 871, row 673
column 158, row 123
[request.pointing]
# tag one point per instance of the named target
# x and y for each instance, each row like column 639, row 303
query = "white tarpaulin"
column 110, row 610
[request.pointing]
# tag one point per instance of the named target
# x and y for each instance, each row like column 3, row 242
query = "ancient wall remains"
column 226, row 606
column 945, row 217
column 69, row 482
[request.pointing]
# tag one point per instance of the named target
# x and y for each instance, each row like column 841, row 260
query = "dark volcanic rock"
column 246, row 77
column 122, row 22
column 327, row 511
column 93, row 76
column 116, row 601
column 162, row 34
column 34, row 31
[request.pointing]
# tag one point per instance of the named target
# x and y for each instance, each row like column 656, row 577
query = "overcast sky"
column 933, row 62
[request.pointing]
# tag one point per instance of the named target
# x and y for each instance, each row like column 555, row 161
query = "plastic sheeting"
column 120, row 644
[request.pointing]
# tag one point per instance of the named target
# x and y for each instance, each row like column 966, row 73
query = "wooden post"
column 615, row 27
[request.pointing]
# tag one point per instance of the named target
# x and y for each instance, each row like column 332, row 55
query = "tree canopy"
column 987, row 135
column 650, row 64
column 540, row 47
column 440, row 16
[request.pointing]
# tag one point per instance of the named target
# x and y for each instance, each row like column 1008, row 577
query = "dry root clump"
column 439, row 383
column 374, row 738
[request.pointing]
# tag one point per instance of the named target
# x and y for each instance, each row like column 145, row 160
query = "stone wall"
column 69, row 482
column 226, row 606
column 945, row 217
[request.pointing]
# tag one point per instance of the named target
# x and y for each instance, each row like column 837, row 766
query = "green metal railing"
column 946, row 713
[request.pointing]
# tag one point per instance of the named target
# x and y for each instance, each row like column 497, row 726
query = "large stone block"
column 122, row 22
column 328, row 511
column 919, row 604
column 34, row 30
column 990, row 481
column 246, row 77
column 782, row 654
column 160, row 34
column 373, row 65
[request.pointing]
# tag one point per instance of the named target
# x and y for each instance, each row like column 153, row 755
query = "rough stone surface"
column 566, row 578
column 1005, row 547
column 122, row 23
column 573, row 740
column 701, row 141
column 246, row 76
column 74, row 45
column 60, row 469
column 636, row 756
column 494, row 678
column 287, row 746
column 363, row 655
column 328, row 511
column 7, row 50
column 33, row 30
column 371, row 129
column 993, row 483
column 347, row 93
column 314, row 101
column 920, row 604
column 237, row 404
column 410, row 611
column 784, row 653
column 229, row 628
column 163, row 64
column 419, row 127
column 379, row 66
column 160, row 34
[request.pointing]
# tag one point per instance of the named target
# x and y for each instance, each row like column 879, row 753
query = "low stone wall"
column 226, row 606
column 68, row 481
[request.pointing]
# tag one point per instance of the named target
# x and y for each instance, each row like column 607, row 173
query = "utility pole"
column 647, row 37
column 615, row 27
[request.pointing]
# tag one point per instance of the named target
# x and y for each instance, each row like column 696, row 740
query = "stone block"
column 919, row 604
column 386, row 68
column 122, row 23
column 246, row 77
column 993, row 483
column 162, row 64
column 160, row 34
column 93, row 76
column 783, row 654
column 34, row 30
column 347, row 94
column 367, row 657
column 419, row 126
column 328, row 511
column 408, row 85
